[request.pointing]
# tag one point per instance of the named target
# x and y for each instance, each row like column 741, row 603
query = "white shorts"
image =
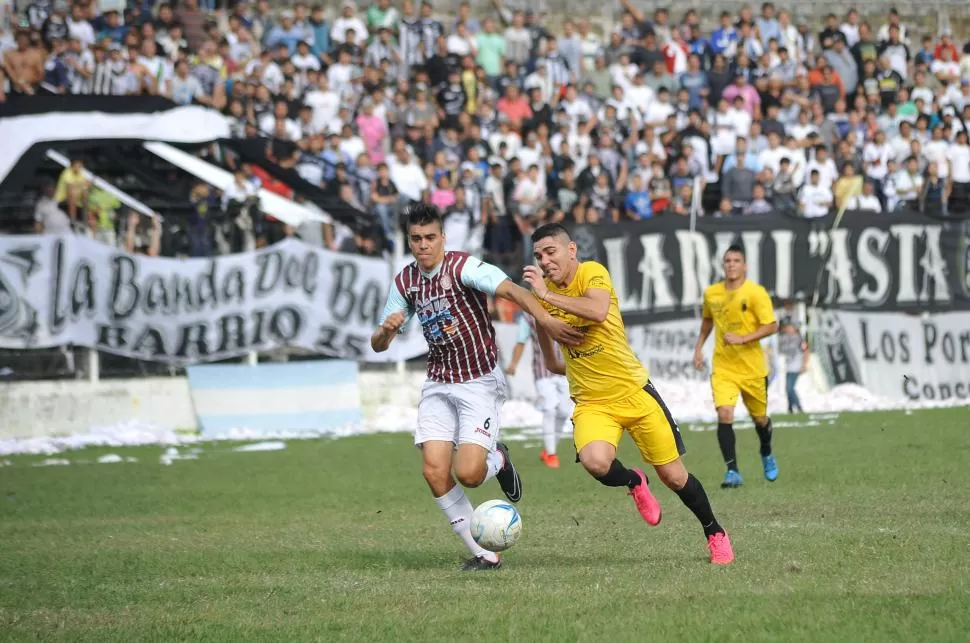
column 464, row 412
column 553, row 395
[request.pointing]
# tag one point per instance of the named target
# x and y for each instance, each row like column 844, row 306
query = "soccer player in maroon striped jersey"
column 462, row 400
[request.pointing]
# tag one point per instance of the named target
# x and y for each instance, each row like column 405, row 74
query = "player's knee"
column 760, row 420
column 470, row 476
column 725, row 415
column 436, row 474
column 673, row 475
column 596, row 464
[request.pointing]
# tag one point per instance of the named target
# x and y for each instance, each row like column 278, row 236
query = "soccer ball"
column 496, row 525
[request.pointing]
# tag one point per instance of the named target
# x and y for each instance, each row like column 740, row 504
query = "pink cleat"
column 720, row 547
column 647, row 505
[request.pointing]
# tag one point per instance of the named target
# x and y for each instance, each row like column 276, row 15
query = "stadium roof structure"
column 119, row 126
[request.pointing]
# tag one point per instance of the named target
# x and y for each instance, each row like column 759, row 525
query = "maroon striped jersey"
column 527, row 330
column 451, row 306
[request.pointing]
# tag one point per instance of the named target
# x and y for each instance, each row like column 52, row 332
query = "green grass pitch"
column 865, row 537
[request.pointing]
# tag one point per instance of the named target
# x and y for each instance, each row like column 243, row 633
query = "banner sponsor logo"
column 667, row 350
column 660, row 268
column 73, row 290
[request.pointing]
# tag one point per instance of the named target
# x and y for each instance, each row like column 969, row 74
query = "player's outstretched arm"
column 387, row 331
column 493, row 281
column 592, row 305
column 558, row 330
column 522, row 336
column 549, row 353
column 397, row 312
column 707, row 325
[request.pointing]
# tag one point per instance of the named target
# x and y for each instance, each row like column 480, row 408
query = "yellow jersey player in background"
column 741, row 313
column 611, row 387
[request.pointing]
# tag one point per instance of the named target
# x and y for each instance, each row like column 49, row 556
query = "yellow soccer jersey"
column 740, row 311
column 603, row 368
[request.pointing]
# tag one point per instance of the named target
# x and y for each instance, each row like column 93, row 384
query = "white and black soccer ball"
column 496, row 525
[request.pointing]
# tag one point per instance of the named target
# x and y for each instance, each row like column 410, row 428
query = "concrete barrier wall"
column 31, row 409
column 227, row 397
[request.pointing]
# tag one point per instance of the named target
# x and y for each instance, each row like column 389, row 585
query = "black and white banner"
column 901, row 261
column 923, row 358
column 72, row 290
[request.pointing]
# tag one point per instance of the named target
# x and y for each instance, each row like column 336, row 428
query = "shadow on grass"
column 418, row 560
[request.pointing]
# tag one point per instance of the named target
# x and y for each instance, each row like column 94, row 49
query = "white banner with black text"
column 921, row 358
column 57, row 291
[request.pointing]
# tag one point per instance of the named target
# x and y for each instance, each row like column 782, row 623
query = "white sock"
column 459, row 511
column 494, row 462
column 549, row 438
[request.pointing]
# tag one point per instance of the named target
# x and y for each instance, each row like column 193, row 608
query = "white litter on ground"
column 133, row 433
column 172, row 454
column 690, row 403
column 53, row 462
column 110, row 458
column 273, row 445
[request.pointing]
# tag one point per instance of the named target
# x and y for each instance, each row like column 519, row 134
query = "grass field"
column 863, row 538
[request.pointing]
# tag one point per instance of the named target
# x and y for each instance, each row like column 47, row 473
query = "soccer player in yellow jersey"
column 741, row 313
column 611, row 387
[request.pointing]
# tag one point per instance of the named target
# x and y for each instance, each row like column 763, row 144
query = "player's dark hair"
column 550, row 230
column 736, row 248
column 423, row 214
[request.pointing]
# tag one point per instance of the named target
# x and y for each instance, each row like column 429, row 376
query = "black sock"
column 619, row 476
column 695, row 498
column 725, row 438
column 764, row 436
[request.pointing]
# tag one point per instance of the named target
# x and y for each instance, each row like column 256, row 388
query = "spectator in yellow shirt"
column 72, row 187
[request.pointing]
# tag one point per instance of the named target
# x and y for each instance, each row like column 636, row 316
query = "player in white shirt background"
column 958, row 156
column 552, row 390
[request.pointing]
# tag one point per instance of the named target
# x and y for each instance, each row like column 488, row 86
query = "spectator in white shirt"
column 894, row 22
column 351, row 145
column 850, row 28
column 268, row 121
column 959, row 158
column 304, row 59
column 462, row 43
column 340, row 75
column 909, row 184
column 530, row 193
column 48, row 216
column 946, row 70
column 239, row 190
column 875, row 157
column 827, row 170
column 771, row 157
column 814, row 199
column 639, row 95
column 901, row 143
column 324, row 103
column 865, row 202
column 348, row 20
column 269, row 72
column 79, row 27
column 160, row 68
column 935, row 151
column 406, row 175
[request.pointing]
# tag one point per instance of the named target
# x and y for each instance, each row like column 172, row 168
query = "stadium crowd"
column 505, row 125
